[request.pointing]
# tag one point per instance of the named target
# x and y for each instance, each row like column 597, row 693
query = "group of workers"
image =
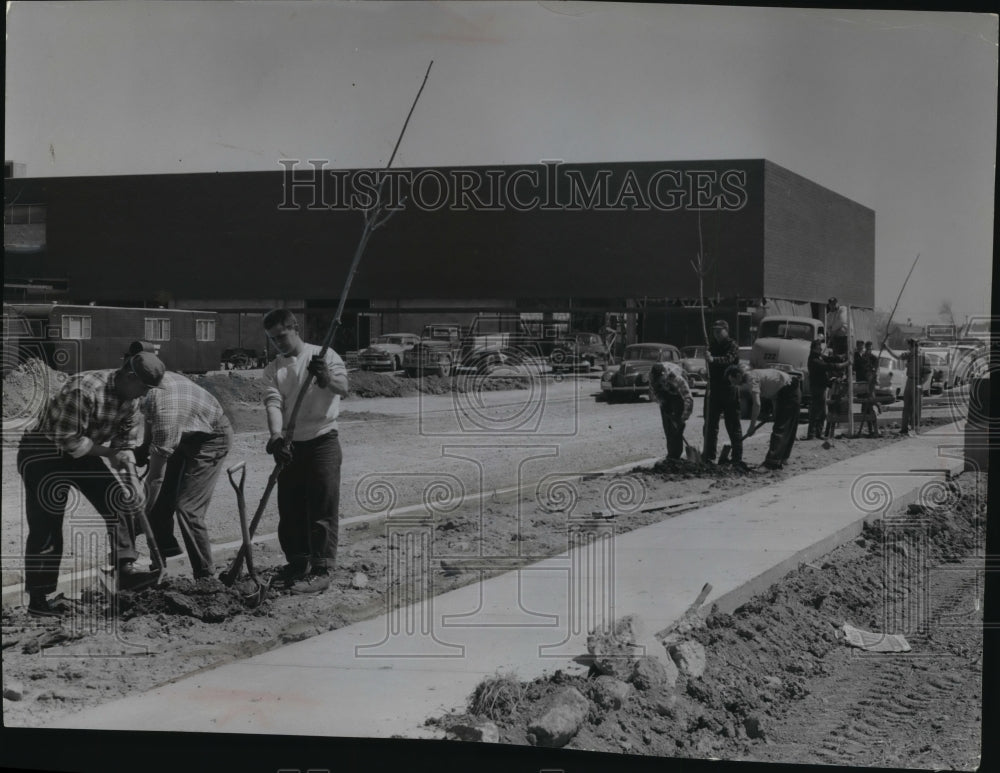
column 727, row 380
column 142, row 414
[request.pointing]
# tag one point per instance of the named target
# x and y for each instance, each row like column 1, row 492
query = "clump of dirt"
column 27, row 387
column 681, row 469
column 232, row 387
column 763, row 660
column 207, row 599
column 365, row 383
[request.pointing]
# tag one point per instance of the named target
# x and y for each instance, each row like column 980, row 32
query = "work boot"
column 289, row 574
column 317, row 581
column 131, row 577
column 41, row 607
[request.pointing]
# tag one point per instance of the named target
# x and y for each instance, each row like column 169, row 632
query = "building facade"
column 577, row 245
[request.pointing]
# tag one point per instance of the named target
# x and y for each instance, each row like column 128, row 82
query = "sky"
column 896, row 110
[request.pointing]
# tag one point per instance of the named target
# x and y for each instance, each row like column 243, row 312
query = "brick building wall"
column 817, row 243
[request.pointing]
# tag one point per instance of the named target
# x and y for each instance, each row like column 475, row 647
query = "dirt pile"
column 27, row 387
column 764, row 660
column 231, row 387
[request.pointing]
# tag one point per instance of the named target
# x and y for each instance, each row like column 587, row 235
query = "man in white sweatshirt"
column 309, row 481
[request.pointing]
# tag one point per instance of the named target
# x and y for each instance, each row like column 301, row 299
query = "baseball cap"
column 148, row 368
column 721, row 323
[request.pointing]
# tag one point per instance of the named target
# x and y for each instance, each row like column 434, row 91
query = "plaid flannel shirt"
column 179, row 406
column 673, row 382
column 87, row 412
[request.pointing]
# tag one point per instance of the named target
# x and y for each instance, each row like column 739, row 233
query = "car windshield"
column 694, row 351
column 782, row 328
column 587, row 338
column 886, row 362
column 439, row 333
column 653, row 353
column 936, row 358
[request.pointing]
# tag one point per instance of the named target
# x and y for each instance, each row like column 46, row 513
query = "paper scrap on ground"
column 875, row 642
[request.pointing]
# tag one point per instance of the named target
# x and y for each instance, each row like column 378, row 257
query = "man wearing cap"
column 187, row 436
column 785, row 392
column 836, row 327
column 309, row 481
column 669, row 387
column 96, row 414
column 721, row 399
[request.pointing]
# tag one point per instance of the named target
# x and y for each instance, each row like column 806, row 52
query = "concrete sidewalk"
column 385, row 676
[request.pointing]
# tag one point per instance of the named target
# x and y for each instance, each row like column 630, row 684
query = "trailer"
column 71, row 338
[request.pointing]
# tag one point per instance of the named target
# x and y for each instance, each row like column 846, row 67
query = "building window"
column 24, row 214
column 204, row 330
column 75, row 328
column 157, row 329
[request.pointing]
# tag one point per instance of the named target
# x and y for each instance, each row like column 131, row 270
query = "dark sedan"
column 630, row 379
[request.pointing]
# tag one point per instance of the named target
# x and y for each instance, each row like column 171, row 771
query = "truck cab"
column 783, row 342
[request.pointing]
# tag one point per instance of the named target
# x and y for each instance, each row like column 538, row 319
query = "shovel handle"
column 147, row 529
column 229, row 576
column 240, row 468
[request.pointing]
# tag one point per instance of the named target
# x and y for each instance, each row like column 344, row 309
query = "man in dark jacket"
column 722, row 398
column 820, row 366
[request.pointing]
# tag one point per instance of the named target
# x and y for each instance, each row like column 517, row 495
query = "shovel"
column 692, row 454
column 727, row 449
column 255, row 597
column 155, row 575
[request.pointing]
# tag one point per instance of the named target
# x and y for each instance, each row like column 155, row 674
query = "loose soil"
column 782, row 685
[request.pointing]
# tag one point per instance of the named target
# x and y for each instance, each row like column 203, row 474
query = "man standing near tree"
column 722, row 399
column 309, row 482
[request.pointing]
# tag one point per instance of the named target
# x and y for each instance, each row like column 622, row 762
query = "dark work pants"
column 787, row 405
column 723, row 400
column 48, row 476
column 309, row 503
column 188, row 485
column 671, row 411
column 908, row 404
column 817, row 411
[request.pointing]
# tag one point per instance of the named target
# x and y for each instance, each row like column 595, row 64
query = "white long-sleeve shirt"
column 283, row 378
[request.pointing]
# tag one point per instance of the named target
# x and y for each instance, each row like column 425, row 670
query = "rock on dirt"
column 476, row 730
column 560, row 718
column 614, row 652
column 610, row 693
column 649, row 673
column 13, row 691
column 689, row 656
column 360, row 580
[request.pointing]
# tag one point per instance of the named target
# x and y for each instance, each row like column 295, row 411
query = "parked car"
column 891, row 377
column 578, row 351
column 783, row 342
column 939, row 360
column 631, row 378
column 240, row 358
column 693, row 362
column 386, row 351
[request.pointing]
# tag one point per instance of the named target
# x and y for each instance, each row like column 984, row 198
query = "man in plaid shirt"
column 96, row 414
column 670, row 389
column 187, row 438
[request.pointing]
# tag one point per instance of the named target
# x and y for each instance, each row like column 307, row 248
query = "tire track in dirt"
column 881, row 710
